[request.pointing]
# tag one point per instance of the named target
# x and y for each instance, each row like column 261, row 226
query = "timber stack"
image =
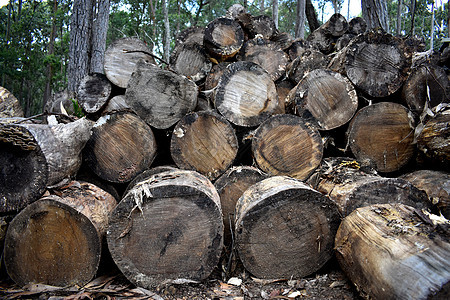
column 282, row 150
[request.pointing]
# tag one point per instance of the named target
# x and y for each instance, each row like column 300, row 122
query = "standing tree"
column 375, row 13
column 300, row 21
column 275, row 12
column 50, row 53
column 166, row 30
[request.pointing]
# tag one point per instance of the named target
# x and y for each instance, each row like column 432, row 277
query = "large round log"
column 167, row 229
column 395, row 252
column 56, row 240
column 349, row 187
column 437, row 186
column 190, row 60
column 160, row 97
column 284, row 228
column 93, row 92
column 382, row 135
column 9, row 105
column 357, row 26
column 121, row 146
column 286, row 145
column 121, row 58
column 223, row 38
column 204, row 142
column 326, row 98
column 336, row 25
column 246, row 95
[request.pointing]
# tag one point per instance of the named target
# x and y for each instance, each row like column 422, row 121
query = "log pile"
column 296, row 135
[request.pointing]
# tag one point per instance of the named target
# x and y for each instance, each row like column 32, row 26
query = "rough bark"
column 313, row 22
column 300, row 19
column 167, row 229
column 375, row 13
column 100, row 24
column 284, row 229
column 9, row 105
column 395, row 252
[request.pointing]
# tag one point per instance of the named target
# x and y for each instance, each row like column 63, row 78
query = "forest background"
column 35, row 36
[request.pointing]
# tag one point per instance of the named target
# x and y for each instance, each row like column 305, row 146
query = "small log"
column 343, row 41
column 336, row 25
column 261, row 25
column 223, row 38
column 167, row 229
column 193, row 34
column 321, row 40
column 382, row 135
column 325, row 98
column 297, row 48
column 286, row 145
column 434, row 139
column 427, row 83
column 121, row 58
column 121, row 146
column 395, row 252
column 282, row 40
column 190, row 60
column 9, row 105
column 93, row 92
column 357, row 26
column 350, row 187
column 116, row 103
column 57, row 239
column 204, row 142
column 284, row 229
column 235, row 10
column 437, row 186
column 306, row 62
column 230, row 186
column 62, row 102
column 246, row 95
column 265, row 54
column 160, row 97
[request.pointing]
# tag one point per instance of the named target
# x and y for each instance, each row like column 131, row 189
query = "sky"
column 3, row 2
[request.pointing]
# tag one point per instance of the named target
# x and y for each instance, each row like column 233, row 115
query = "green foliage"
column 77, row 110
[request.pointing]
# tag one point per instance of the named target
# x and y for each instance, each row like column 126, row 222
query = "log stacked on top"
column 259, row 114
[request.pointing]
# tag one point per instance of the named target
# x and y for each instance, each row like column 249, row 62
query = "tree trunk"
column 306, row 62
column 57, row 239
column 190, row 60
column 345, row 182
column 93, row 92
column 121, row 146
column 399, row 17
column 325, row 98
column 313, row 22
column 284, row 229
column 9, row 105
column 395, row 252
column 432, row 26
column 246, row 95
column 286, row 145
column 167, row 229
column 160, row 97
column 223, row 38
column 99, row 31
column 204, row 142
column 165, row 5
column 381, row 135
column 275, row 13
column 300, row 19
column 375, row 13
column 50, row 52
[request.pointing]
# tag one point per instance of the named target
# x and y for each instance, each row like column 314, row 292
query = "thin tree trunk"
column 348, row 10
column 261, row 6
column 99, row 31
column 166, row 30
column 50, row 52
column 300, row 24
column 8, row 28
column 432, row 26
column 413, row 13
column 275, row 12
column 399, row 17
column 313, row 22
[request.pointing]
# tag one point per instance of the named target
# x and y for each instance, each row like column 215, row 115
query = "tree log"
column 204, row 142
column 121, row 58
column 286, row 145
column 349, row 187
column 246, row 95
column 193, row 34
column 121, row 146
column 93, row 92
column 321, row 40
column 160, row 97
column 306, row 62
column 284, row 228
column 382, row 135
column 190, row 60
column 261, row 25
column 357, row 26
column 115, row 103
column 325, row 98
column 230, row 186
column 223, row 38
column 9, row 105
column 167, row 229
column 336, row 25
column 437, row 186
column 57, row 239
column 395, row 252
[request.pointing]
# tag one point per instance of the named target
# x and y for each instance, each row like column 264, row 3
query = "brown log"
column 357, row 26
column 350, row 187
column 283, row 88
column 93, row 92
column 321, row 40
column 306, row 62
column 223, row 38
column 57, row 239
column 325, row 98
column 284, row 229
column 382, row 135
column 395, row 252
column 261, row 25
column 116, row 103
column 297, row 48
column 437, row 186
column 343, row 41
column 204, row 142
column 160, row 97
column 246, row 95
column 427, row 83
column 230, row 186
column 286, row 145
column 193, row 34
column 9, row 105
column 190, row 60
column 121, row 58
column 282, row 40
column 167, row 229
column 267, row 55
column 144, row 175
column 336, row 25
column 121, row 146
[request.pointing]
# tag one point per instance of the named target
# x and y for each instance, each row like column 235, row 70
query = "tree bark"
column 275, row 13
column 375, row 13
column 300, row 19
column 100, row 24
column 313, row 22
column 399, row 17
column 165, row 5
column 167, row 229
column 308, row 61
column 284, row 229
column 395, row 252
column 9, row 105
column 50, row 52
